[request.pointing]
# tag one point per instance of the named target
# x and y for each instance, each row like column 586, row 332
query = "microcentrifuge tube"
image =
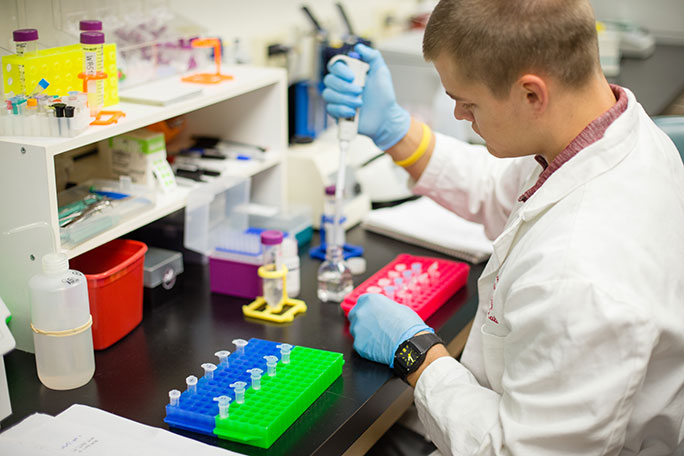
column 384, row 282
column 408, row 278
column 223, row 405
column 417, row 268
column 271, row 362
column 373, row 289
column 423, row 279
column 222, row 355
column 284, row 352
column 191, row 381
column 389, row 292
column 174, row 397
column 239, row 390
column 401, row 267
column 392, row 274
column 209, row 369
column 433, row 272
column 240, row 346
column 256, row 377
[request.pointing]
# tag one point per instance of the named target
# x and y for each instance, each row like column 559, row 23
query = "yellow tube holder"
column 286, row 309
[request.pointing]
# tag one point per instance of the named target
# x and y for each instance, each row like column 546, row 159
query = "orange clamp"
column 208, row 78
column 114, row 117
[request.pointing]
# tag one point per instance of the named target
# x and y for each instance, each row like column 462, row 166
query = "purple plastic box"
column 233, row 278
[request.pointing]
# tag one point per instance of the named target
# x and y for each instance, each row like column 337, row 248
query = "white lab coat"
column 584, row 350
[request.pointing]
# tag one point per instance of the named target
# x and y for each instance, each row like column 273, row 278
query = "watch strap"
column 422, row 343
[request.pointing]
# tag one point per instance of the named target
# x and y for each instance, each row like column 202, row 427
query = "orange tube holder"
column 208, row 78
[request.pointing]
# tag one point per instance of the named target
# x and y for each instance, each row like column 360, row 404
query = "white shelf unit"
column 251, row 108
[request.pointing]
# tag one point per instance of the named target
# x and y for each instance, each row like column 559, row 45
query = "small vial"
column 191, row 381
column 417, row 268
column 255, row 372
column 433, row 272
column 384, row 282
column 239, row 390
column 399, row 283
column 401, row 267
column 374, row 289
column 222, row 355
column 209, row 369
column 389, row 292
column 174, row 397
column 223, row 405
column 423, row 279
column 240, row 346
column 392, row 274
column 25, row 43
column 407, row 278
column 271, row 242
column 271, row 362
column 284, row 352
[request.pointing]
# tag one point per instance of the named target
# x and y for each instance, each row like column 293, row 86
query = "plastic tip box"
column 267, row 412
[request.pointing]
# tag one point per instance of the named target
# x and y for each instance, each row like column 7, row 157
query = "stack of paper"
column 427, row 224
column 89, row 431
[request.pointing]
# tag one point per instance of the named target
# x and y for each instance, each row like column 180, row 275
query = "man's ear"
column 534, row 92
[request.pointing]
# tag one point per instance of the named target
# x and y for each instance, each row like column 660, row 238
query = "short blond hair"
column 496, row 41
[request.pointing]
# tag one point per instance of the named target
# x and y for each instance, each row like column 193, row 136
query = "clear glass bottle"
column 334, row 277
column 60, row 318
column 271, row 242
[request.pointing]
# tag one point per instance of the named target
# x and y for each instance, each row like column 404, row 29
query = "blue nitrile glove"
column 379, row 325
column 380, row 117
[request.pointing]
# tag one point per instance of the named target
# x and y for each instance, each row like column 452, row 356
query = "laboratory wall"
column 663, row 18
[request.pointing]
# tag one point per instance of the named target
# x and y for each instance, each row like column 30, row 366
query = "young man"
column 577, row 346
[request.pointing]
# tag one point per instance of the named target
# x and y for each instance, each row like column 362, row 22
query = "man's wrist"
column 434, row 353
column 409, row 144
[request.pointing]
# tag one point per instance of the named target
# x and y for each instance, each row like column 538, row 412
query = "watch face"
column 408, row 356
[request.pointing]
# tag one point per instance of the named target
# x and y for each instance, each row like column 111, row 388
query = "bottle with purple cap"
column 271, row 244
column 25, row 44
column 93, row 62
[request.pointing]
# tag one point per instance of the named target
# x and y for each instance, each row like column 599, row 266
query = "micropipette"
column 334, row 277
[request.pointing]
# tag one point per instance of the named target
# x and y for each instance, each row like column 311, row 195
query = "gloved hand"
column 380, row 117
column 379, row 325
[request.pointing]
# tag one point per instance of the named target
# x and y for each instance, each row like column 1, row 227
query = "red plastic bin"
column 115, row 288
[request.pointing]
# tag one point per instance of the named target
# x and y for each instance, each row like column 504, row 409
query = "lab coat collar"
column 590, row 162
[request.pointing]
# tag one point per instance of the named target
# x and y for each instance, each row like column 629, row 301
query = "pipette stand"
column 348, row 250
column 208, row 78
column 286, row 309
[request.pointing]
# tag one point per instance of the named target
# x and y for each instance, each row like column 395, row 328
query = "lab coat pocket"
column 493, row 356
